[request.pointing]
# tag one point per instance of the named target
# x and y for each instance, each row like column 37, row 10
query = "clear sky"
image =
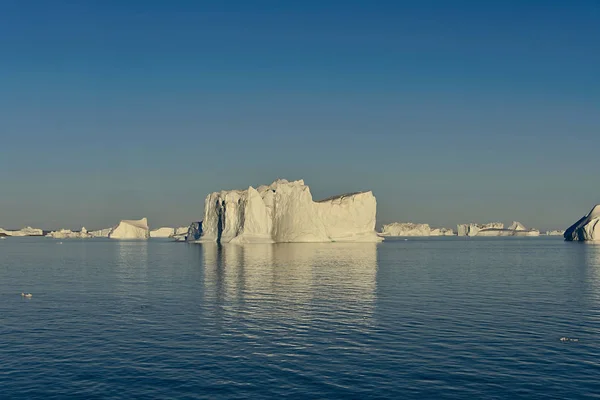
column 450, row 111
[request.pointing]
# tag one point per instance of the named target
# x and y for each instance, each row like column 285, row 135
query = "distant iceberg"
column 473, row 229
column 285, row 212
column 555, row 233
column 163, row 232
column 496, row 229
column 411, row 229
column 587, row 228
column 69, row 234
column 101, row 233
column 28, row 231
column 131, row 229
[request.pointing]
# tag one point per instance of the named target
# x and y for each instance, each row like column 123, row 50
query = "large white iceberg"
column 131, row 229
column 28, row 231
column 163, row 232
column 587, row 228
column 411, row 229
column 286, row 212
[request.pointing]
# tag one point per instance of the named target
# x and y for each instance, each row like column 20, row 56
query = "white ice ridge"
column 496, row 229
column 411, row 229
column 100, row 233
column 285, row 212
column 69, row 234
column 131, row 229
column 587, row 228
column 163, row 232
column 473, row 229
column 28, row 231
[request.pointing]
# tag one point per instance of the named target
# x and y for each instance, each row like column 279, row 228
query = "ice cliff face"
column 285, row 212
column 410, row 229
column 163, row 232
column 473, row 229
column 131, row 229
column 587, row 228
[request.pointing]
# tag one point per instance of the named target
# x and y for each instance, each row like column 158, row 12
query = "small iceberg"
column 26, row 295
column 567, row 339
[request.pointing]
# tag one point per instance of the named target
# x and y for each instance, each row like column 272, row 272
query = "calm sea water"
column 447, row 318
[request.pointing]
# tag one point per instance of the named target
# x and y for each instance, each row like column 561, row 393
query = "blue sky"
column 449, row 111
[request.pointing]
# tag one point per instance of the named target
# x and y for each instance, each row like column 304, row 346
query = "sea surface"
column 437, row 318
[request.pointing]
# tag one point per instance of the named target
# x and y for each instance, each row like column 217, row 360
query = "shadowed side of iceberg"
column 587, row 228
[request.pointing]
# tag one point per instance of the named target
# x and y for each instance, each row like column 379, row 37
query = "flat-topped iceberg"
column 131, row 229
column 473, row 229
column 411, row 229
column 497, row 229
column 285, row 212
column 555, row 232
column 587, row 228
column 163, row 232
column 101, row 233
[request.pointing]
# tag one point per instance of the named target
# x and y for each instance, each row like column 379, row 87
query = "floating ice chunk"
column 69, row 234
column 131, row 229
column 162, row 232
column 411, row 229
column 101, row 233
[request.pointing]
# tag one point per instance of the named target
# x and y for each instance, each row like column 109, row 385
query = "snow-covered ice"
column 587, row 228
column 285, row 212
column 496, row 229
column 473, row 229
column 28, row 231
column 102, row 233
column 411, row 229
column 555, row 232
column 163, row 232
column 131, row 229
column 69, row 234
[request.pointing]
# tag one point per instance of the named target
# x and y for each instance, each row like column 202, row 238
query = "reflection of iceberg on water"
column 295, row 280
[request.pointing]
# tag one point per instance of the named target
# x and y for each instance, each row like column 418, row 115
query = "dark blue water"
column 447, row 318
